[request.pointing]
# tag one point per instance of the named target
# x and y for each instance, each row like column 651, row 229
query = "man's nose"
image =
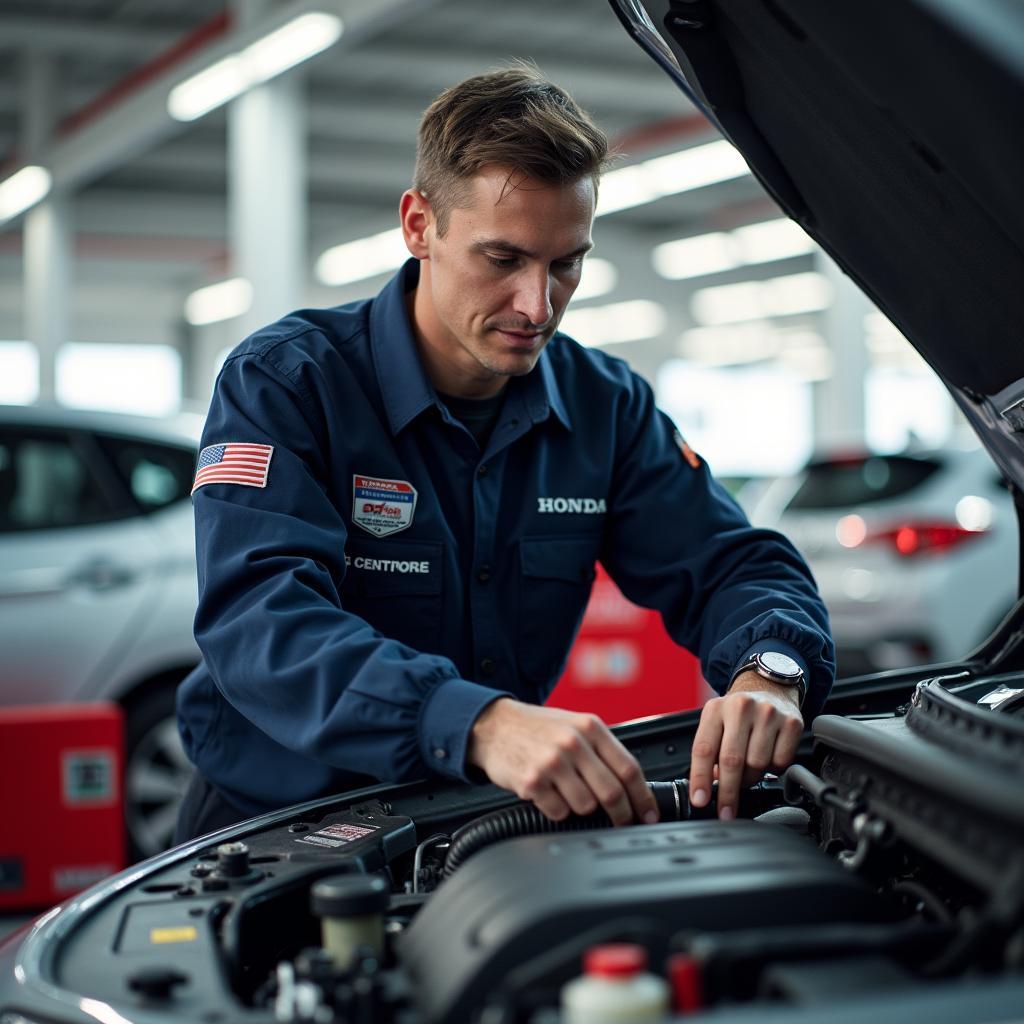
column 534, row 298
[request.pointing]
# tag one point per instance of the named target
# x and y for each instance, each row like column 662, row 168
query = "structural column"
column 267, row 190
column 47, row 237
column 839, row 401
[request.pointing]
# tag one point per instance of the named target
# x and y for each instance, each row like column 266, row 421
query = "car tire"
column 157, row 772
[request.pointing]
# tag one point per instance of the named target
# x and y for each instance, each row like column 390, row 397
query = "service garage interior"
column 174, row 176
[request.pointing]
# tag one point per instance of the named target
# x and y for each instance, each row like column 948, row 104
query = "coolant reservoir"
column 615, row 989
column 350, row 908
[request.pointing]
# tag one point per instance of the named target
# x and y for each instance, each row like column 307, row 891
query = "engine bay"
column 888, row 862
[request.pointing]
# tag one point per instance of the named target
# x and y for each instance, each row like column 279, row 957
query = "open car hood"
column 891, row 132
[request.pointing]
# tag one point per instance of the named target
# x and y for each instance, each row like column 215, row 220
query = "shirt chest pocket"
column 556, row 574
column 396, row 587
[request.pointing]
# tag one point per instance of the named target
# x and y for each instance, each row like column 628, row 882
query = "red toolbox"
column 62, row 827
column 624, row 665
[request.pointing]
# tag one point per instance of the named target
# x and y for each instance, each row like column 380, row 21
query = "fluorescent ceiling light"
column 19, row 373
column 752, row 342
column 693, row 257
column 599, row 277
column 301, row 38
column 725, row 250
column 617, row 322
column 22, row 190
column 772, row 240
column 362, row 258
column 667, row 175
column 211, row 88
column 755, row 300
column 220, row 301
column 731, row 345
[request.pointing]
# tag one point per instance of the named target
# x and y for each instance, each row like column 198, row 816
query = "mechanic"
column 400, row 501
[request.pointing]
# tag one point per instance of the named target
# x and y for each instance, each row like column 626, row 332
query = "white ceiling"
column 153, row 227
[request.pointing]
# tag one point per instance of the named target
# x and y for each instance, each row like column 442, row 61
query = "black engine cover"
column 527, row 895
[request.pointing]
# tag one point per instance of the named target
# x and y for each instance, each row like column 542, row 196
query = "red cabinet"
column 624, row 665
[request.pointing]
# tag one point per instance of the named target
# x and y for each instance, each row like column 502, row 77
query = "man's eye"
column 572, row 264
column 505, row 262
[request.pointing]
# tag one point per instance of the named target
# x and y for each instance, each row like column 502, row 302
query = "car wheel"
column 157, row 772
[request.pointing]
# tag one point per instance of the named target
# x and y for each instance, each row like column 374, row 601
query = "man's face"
column 493, row 289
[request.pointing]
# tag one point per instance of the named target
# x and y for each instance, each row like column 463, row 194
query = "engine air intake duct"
column 523, row 819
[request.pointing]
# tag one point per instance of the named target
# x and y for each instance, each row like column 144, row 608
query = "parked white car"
column 98, row 582
column 910, row 551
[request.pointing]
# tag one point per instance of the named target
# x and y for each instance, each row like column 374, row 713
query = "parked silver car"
column 98, row 582
column 910, row 551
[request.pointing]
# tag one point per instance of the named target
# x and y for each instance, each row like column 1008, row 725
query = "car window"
column 845, row 482
column 157, row 474
column 46, row 483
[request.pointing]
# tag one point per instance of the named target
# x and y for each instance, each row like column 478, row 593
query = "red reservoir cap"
column 615, row 960
column 685, row 979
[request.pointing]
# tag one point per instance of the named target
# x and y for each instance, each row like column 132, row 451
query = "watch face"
column 780, row 664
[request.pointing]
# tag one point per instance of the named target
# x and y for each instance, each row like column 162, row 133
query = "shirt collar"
column 404, row 385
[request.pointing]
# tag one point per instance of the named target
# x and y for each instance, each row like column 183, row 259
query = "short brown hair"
column 514, row 118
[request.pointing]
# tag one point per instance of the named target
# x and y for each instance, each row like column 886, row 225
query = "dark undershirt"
column 478, row 415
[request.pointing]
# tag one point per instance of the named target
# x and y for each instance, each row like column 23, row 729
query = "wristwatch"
column 777, row 667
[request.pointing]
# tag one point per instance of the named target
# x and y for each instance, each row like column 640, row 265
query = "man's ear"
column 417, row 220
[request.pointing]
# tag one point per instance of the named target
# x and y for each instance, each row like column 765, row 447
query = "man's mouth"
column 520, row 338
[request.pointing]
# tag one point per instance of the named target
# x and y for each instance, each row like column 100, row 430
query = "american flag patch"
column 692, row 458
column 233, row 463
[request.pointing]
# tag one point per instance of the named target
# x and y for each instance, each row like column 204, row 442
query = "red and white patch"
column 382, row 507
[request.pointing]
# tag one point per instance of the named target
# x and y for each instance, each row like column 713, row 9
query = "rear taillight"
column 911, row 539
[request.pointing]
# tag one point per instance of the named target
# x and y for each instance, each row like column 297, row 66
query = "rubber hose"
column 524, row 819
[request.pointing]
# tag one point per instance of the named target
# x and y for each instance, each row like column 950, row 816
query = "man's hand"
column 754, row 728
column 561, row 761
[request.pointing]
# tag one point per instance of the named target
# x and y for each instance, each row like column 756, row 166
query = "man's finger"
column 629, row 775
column 732, row 758
column 787, row 742
column 704, row 756
column 550, row 803
column 763, row 735
column 609, row 789
column 575, row 789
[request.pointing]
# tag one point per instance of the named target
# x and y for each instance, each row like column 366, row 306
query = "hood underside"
column 891, row 130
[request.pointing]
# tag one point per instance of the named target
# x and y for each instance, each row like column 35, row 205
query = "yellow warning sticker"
column 184, row 933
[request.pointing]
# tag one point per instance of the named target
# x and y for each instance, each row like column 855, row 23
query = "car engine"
column 882, row 874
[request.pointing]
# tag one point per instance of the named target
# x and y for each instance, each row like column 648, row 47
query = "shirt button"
column 488, row 666
column 440, row 753
column 482, row 470
column 484, row 573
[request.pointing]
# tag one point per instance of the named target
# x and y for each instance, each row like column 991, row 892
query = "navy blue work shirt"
column 389, row 579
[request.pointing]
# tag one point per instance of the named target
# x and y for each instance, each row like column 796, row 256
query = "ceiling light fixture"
column 634, row 320
column 221, row 301
column 22, row 190
column 362, row 258
column 765, row 242
column 756, row 300
column 291, row 44
column 668, row 175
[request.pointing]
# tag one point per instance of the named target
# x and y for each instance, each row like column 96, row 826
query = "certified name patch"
column 382, row 506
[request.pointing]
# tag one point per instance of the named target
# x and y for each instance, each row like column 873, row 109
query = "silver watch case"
column 777, row 668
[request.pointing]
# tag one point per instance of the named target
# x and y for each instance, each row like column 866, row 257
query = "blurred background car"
column 909, row 550
column 98, row 582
